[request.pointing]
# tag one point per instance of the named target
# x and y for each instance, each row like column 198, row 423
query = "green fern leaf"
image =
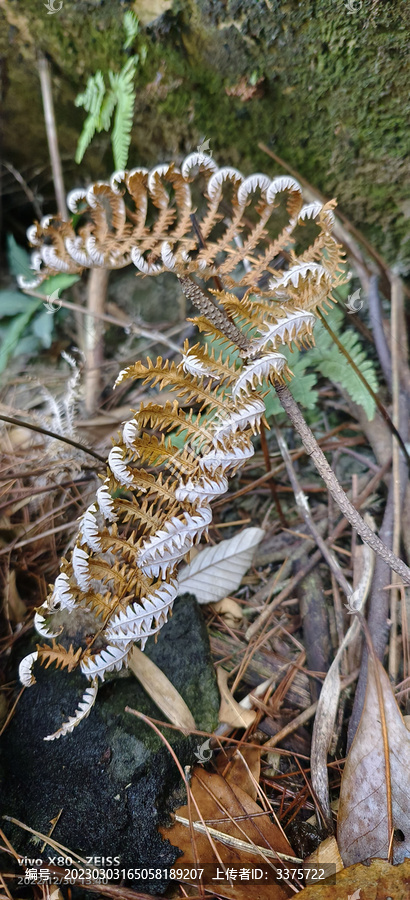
column 91, row 100
column 332, row 364
column 131, row 28
column 123, row 88
column 107, row 110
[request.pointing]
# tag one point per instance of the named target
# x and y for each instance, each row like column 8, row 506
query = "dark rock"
column 113, row 778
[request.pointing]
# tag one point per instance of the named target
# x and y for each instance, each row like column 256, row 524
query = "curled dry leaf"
column 367, row 781
column 329, row 696
column 229, row 610
column 218, row 571
column 231, row 712
column 14, row 607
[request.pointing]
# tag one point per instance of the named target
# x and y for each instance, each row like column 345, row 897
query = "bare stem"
column 313, row 450
column 50, row 122
column 130, row 327
column 27, row 190
column 96, row 296
column 58, row 437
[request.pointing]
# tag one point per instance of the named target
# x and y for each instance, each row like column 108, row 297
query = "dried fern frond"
column 57, row 654
column 128, row 578
column 84, row 708
column 116, row 229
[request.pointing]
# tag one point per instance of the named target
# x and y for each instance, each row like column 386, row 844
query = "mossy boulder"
column 324, row 85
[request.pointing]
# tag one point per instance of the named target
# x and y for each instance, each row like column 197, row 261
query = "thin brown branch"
column 58, row 437
column 26, row 188
column 379, row 336
column 130, row 327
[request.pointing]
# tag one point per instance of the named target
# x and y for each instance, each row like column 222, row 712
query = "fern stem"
column 214, row 313
column 318, row 458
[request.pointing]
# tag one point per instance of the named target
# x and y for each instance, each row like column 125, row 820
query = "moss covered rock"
column 324, row 84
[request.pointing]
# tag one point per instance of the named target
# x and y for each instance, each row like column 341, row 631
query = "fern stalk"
column 326, row 472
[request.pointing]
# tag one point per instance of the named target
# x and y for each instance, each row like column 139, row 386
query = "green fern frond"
column 332, row 364
column 123, row 89
column 131, row 28
column 100, row 104
column 107, row 110
column 91, row 100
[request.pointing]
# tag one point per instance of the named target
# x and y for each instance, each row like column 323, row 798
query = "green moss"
column 334, row 103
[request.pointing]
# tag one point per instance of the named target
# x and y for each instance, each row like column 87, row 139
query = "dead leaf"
column 231, row 712
column 218, row 571
column 363, row 810
column 242, row 768
column 219, row 803
column 378, row 881
column 55, row 893
column 245, row 90
column 326, row 852
column 161, row 691
column 229, row 610
column 329, row 696
column 15, row 609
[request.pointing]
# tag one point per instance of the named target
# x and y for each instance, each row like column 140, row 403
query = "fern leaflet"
column 123, row 90
column 131, row 28
column 91, row 100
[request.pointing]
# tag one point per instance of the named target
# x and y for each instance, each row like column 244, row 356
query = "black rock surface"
column 113, row 778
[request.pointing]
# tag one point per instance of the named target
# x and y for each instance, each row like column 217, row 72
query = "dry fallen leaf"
column 15, row 609
column 326, row 853
column 378, row 881
column 245, row 90
column 231, row 712
column 161, row 691
column 219, row 803
column 242, row 768
column 229, row 610
column 218, row 571
column 329, row 696
column 363, row 806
